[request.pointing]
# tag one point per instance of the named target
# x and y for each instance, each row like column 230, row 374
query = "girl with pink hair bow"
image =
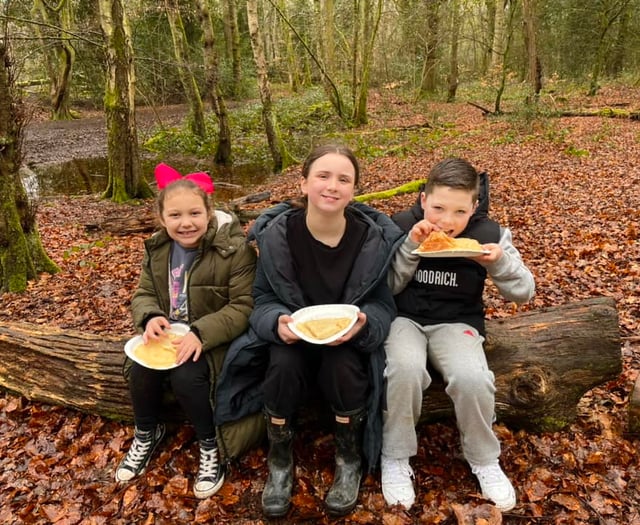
column 197, row 270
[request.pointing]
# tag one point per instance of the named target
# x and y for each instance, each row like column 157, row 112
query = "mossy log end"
column 544, row 361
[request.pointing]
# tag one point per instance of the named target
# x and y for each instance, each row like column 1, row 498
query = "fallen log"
column 544, row 361
column 607, row 112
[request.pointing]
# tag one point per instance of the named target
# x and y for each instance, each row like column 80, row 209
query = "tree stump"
column 544, row 361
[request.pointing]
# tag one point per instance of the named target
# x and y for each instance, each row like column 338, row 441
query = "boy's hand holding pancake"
column 421, row 230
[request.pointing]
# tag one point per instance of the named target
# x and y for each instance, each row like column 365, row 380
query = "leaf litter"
column 575, row 220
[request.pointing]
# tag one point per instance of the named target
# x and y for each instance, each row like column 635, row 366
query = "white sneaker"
column 495, row 485
column 397, row 481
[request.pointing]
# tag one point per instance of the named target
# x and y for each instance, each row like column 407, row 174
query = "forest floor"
column 569, row 188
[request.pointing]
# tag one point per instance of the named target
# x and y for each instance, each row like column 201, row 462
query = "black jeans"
column 340, row 372
column 190, row 384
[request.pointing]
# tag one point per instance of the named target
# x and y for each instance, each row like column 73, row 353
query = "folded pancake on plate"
column 157, row 353
column 323, row 328
column 440, row 241
column 462, row 243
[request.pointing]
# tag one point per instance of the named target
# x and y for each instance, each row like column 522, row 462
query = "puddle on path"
column 89, row 176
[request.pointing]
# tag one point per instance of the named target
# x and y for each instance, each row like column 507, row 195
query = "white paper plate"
column 451, row 253
column 178, row 329
column 323, row 311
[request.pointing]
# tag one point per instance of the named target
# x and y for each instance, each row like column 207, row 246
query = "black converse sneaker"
column 210, row 472
column 140, row 452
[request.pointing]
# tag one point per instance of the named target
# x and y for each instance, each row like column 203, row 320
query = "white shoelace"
column 208, row 469
column 137, row 452
column 490, row 475
column 397, row 471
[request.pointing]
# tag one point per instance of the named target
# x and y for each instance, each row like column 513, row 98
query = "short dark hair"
column 454, row 173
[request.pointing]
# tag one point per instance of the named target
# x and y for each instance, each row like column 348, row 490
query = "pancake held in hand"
column 440, row 241
column 323, row 328
column 157, row 353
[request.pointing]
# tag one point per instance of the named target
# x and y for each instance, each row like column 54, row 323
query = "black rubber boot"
column 276, row 496
column 343, row 494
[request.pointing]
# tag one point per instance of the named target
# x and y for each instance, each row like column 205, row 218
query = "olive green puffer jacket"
column 219, row 292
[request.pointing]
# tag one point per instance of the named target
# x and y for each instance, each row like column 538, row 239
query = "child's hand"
column 421, row 230
column 495, row 252
column 362, row 320
column 155, row 328
column 283, row 330
column 187, row 346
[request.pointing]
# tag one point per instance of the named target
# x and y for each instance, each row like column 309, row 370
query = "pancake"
column 157, row 353
column 440, row 241
column 323, row 328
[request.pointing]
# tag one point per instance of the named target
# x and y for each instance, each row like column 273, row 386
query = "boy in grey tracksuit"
column 441, row 319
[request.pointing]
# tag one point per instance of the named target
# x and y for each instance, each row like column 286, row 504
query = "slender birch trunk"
column 279, row 154
column 188, row 80
column 212, row 87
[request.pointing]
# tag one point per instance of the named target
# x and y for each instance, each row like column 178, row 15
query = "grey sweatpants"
column 456, row 351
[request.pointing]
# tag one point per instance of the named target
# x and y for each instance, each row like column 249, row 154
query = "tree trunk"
column 371, row 21
column 490, row 7
column 429, row 81
column 212, row 87
column 22, row 256
column 281, row 158
column 499, row 36
column 59, row 53
column 452, row 79
column 616, row 59
column 125, row 181
column 507, row 34
column 634, row 409
column 544, row 361
column 187, row 78
column 534, row 76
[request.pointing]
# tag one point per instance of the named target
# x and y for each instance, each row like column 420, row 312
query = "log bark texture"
column 544, row 361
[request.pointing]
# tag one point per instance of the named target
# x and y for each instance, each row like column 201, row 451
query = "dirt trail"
column 49, row 141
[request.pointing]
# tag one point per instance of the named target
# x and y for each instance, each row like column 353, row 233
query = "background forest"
column 543, row 94
column 230, row 52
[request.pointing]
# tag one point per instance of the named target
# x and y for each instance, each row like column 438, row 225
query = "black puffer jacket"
column 277, row 292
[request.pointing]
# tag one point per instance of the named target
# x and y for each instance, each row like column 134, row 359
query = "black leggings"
column 340, row 372
column 191, row 385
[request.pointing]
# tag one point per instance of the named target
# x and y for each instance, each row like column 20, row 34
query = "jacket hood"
column 383, row 237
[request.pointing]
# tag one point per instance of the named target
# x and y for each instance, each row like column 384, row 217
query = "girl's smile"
column 330, row 184
column 185, row 217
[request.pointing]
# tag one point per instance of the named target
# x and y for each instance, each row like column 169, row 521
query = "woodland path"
column 48, row 141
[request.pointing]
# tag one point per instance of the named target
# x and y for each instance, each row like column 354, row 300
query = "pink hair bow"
column 165, row 175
